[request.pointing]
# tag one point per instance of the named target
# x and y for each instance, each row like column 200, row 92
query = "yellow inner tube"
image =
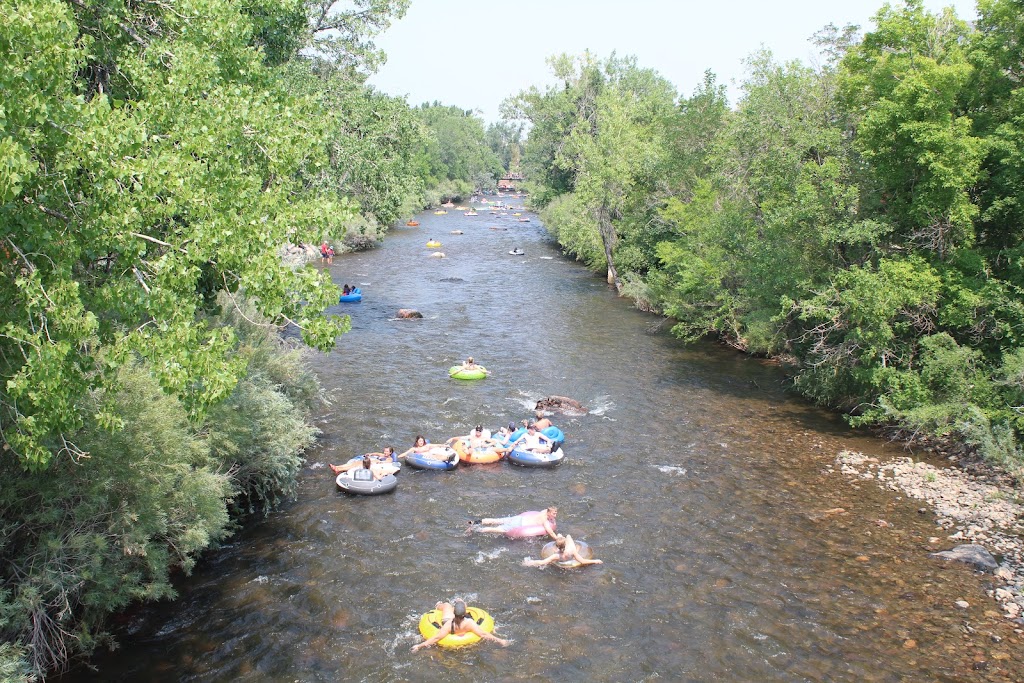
column 475, row 455
column 430, row 623
column 433, row 244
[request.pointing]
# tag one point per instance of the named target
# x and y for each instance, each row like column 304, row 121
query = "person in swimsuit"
column 378, row 470
column 432, row 451
column 384, row 460
column 454, row 622
column 470, row 364
column 566, row 551
column 501, row 525
column 533, row 440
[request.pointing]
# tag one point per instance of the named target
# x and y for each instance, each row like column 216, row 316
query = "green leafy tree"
column 123, row 217
column 901, row 85
column 602, row 128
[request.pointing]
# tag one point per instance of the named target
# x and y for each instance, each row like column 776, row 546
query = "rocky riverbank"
column 980, row 520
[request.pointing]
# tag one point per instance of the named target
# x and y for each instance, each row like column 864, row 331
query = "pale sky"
column 475, row 53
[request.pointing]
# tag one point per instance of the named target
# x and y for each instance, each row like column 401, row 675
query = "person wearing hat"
column 454, row 622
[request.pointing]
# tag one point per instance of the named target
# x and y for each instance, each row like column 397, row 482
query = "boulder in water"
column 969, row 553
column 409, row 313
column 561, row 404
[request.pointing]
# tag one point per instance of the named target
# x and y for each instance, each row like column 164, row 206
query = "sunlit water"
column 701, row 483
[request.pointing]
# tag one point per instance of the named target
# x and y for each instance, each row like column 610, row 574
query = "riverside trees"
column 153, row 159
column 860, row 218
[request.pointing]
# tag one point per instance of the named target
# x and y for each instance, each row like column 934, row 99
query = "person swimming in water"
column 501, row 525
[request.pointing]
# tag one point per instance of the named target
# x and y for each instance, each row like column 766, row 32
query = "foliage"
column 341, row 32
column 454, row 156
column 600, row 132
column 371, row 142
column 134, row 211
column 84, row 539
column 158, row 158
column 861, row 218
column 569, row 222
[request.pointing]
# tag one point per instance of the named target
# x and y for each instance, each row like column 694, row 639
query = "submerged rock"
column 974, row 555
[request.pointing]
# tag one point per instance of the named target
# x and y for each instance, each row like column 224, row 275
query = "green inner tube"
column 458, row 372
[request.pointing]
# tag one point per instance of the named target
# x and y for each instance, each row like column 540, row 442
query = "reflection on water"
column 730, row 554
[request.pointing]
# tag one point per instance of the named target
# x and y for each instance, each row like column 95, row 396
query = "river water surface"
column 731, row 552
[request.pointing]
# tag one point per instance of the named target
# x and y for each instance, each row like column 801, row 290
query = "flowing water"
column 731, row 552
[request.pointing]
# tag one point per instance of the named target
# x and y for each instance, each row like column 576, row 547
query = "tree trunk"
column 608, row 237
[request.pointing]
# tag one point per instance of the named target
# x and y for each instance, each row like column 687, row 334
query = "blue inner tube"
column 525, row 458
column 372, row 487
column 422, row 462
column 355, row 295
column 552, row 432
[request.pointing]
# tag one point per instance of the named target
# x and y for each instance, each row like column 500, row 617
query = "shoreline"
column 971, row 508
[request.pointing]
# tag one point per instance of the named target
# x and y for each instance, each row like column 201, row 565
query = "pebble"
column 962, row 604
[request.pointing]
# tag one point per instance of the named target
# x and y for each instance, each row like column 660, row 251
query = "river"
column 731, row 551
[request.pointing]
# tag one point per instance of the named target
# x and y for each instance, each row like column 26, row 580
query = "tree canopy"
column 859, row 219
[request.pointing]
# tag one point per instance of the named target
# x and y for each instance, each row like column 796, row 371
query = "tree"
column 139, row 177
column 901, row 85
column 610, row 117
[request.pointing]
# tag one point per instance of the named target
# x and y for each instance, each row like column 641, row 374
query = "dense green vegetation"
column 455, row 157
column 861, row 219
column 155, row 158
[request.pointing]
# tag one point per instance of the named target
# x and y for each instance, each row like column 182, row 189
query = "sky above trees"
column 475, row 54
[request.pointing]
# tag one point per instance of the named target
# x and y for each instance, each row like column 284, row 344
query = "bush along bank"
column 113, row 522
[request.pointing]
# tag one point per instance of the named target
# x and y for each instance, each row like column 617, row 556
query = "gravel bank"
column 970, row 508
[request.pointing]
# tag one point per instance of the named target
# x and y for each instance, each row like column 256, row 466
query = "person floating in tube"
column 381, row 461
column 534, row 440
column 469, row 364
column 455, row 623
column 566, row 550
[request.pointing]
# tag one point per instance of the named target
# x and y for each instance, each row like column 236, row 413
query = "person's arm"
column 446, row 628
column 485, row 635
column 550, row 528
column 529, row 562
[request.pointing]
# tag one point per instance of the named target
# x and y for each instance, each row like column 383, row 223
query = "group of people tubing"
column 383, row 463
column 453, row 615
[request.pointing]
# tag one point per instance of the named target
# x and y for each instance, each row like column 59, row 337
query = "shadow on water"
column 731, row 552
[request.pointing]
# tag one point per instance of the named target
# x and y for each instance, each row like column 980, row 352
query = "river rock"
column 971, row 554
column 561, row 404
column 409, row 313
